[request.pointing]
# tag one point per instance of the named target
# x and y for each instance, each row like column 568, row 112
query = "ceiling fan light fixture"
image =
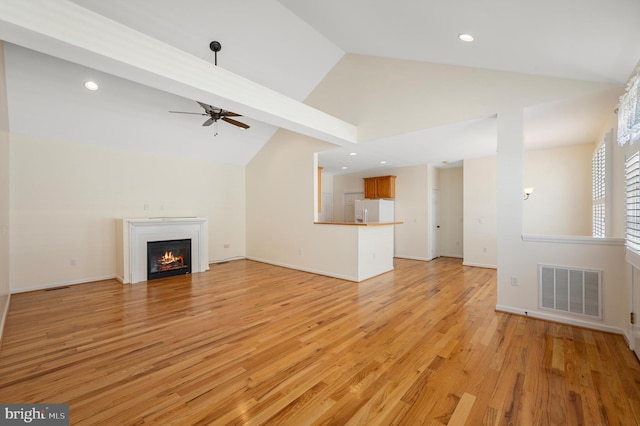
column 466, row 37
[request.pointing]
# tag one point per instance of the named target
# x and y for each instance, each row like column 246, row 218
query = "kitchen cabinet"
column 380, row 187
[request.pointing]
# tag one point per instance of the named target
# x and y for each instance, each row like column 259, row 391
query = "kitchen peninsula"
column 369, row 248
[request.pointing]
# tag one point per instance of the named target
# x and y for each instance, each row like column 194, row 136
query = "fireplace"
column 132, row 236
column 168, row 258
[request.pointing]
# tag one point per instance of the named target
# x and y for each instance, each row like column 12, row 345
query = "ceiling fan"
column 216, row 114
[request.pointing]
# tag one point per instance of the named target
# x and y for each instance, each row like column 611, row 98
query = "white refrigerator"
column 374, row 211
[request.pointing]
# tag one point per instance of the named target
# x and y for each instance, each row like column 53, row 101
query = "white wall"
column 480, row 212
column 561, row 202
column 281, row 206
column 65, row 197
column 520, row 259
column 451, row 212
column 4, row 196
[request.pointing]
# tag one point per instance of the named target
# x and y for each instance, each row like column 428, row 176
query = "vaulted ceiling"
column 395, row 70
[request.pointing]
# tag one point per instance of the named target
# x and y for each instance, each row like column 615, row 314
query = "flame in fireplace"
column 168, row 257
column 169, row 261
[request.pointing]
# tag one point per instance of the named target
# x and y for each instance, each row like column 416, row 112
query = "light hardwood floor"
column 250, row 343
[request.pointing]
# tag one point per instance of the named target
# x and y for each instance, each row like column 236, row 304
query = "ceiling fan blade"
column 235, row 122
column 230, row 114
column 207, row 108
column 209, row 122
column 184, row 112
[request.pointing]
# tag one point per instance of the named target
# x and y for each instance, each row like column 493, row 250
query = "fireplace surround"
column 134, row 234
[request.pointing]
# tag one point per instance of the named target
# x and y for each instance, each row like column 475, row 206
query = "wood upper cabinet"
column 380, row 187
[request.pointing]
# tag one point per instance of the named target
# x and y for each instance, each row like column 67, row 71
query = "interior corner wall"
column 65, row 197
column 4, row 195
column 281, row 204
column 412, row 208
column 450, row 214
column 433, row 185
column 561, row 202
column 480, row 212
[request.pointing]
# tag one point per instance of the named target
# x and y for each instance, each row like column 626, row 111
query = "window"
column 598, row 175
column 629, row 112
column 632, row 178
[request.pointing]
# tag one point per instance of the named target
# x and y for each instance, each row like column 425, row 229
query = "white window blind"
column 598, row 176
column 632, row 177
column 598, row 227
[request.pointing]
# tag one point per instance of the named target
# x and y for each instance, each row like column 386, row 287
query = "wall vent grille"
column 571, row 290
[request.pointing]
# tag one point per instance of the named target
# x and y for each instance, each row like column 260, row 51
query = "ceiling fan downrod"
column 215, row 46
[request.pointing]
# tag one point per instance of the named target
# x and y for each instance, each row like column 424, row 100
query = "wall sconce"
column 528, row 191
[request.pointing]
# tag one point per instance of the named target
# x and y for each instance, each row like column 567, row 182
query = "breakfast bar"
column 374, row 243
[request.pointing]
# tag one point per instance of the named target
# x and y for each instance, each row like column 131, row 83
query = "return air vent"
column 571, row 290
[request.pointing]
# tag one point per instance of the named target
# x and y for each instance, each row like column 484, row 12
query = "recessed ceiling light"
column 383, row 162
column 353, row 153
column 91, row 85
column 466, row 37
column 344, row 167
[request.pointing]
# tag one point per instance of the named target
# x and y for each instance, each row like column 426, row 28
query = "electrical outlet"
column 227, row 245
column 73, row 262
column 514, row 281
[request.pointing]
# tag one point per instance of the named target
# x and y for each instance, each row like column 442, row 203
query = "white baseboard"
column 65, row 283
column 480, row 265
column 454, row 256
column 228, row 259
column 3, row 317
column 402, row 256
column 298, row 268
column 562, row 320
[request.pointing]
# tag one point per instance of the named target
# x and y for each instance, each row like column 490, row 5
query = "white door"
column 349, row 205
column 435, row 224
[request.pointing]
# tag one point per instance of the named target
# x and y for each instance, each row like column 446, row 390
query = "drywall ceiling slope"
column 47, row 99
column 261, row 39
column 82, row 36
column 412, row 112
column 387, row 97
column 577, row 39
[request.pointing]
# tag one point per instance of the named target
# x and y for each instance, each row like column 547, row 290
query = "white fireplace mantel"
column 134, row 234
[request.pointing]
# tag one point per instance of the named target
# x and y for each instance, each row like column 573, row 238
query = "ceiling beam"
column 68, row 31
